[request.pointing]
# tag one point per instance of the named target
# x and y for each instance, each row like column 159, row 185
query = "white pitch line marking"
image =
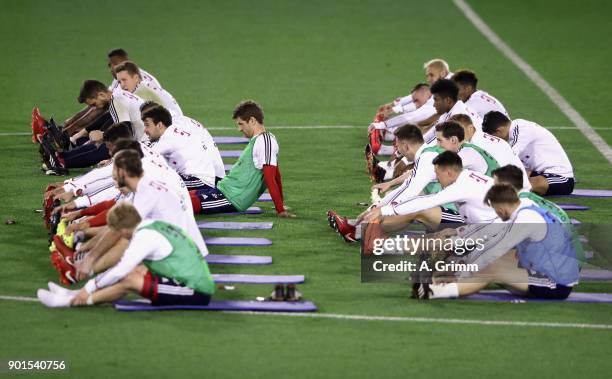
column 429, row 320
column 563, row 105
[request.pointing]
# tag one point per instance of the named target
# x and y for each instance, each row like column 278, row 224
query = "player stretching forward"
column 545, row 263
column 193, row 161
column 476, row 99
column 161, row 263
column 256, row 169
column 549, row 168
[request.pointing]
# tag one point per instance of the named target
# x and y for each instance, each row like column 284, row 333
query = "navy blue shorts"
column 449, row 216
column 557, row 184
column 193, row 182
column 559, row 292
column 167, row 291
column 213, row 201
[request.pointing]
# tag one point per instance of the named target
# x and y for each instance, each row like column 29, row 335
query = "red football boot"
column 38, row 125
column 63, row 250
column 346, row 230
column 64, row 268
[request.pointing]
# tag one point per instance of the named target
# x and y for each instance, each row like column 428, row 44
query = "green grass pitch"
column 307, row 63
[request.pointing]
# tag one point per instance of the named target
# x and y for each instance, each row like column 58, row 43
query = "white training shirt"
column 458, row 108
column 125, row 106
column 501, row 151
column 144, row 75
column 422, row 174
column 265, row 150
column 156, row 198
column 420, row 114
column 185, row 154
column 522, row 225
column 209, row 144
column 150, row 92
column 146, row 244
column 483, row 103
column 468, row 193
column 539, row 149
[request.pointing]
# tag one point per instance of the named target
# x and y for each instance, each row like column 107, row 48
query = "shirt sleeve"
column 265, row 150
column 421, row 114
column 119, row 108
column 450, row 194
column 422, row 174
column 500, row 238
column 145, row 244
column 520, row 139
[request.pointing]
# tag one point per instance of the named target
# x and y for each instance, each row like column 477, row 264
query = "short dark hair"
column 128, row 160
column 419, row 86
column 118, row 53
column 509, row 174
column 410, row 133
column 117, row 131
column 448, row 159
column 465, row 77
column 158, row 114
column 90, row 90
column 247, row 109
column 451, row 129
column 501, row 194
column 127, row 144
column 129, row 66
column 445, row 88
column 493, row 121
column 147, row 104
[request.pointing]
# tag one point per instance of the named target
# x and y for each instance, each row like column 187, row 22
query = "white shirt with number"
column 467, row 192
column 539, row 149
column 483, row 103
column 125, row 106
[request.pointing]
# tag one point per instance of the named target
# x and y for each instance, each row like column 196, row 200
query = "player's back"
column 125, row 106
column 482, row 103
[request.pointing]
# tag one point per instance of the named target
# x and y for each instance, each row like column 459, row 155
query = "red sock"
column 195, row 202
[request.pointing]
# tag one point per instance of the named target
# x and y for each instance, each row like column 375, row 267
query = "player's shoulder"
column 123, row 96
column 266, row 138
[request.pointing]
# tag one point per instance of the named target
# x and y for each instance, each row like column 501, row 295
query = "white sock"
column 358, row 232
column 444, row 291
column 389, row 137
column 386, row 150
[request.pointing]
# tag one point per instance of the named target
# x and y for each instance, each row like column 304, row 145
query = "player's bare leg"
column 133, row 282
column 539, row 184
column 111, row 256
column 82, row 119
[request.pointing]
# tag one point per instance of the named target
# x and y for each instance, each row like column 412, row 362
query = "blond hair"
column 122, row 216
column 437, row 63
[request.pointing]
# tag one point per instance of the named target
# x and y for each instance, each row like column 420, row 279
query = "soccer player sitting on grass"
column 130, row 79
column 446, row 101
column 478, row 100
column 435, row 70
column 534, row 257
column 158, row 193
column 495, row 146
column 550, row 170
column 161, row 263
column 256, row 169
column 193, row 161
column 123, row 106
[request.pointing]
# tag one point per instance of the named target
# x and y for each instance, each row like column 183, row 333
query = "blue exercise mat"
column 573, row 207
column 222, row 305
column 589, row 193
column 258, row 279
column 221, row 140
column 237, row 241
column 226, row 225
column 575, row 297
column 238, row 259
column 230, row 153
